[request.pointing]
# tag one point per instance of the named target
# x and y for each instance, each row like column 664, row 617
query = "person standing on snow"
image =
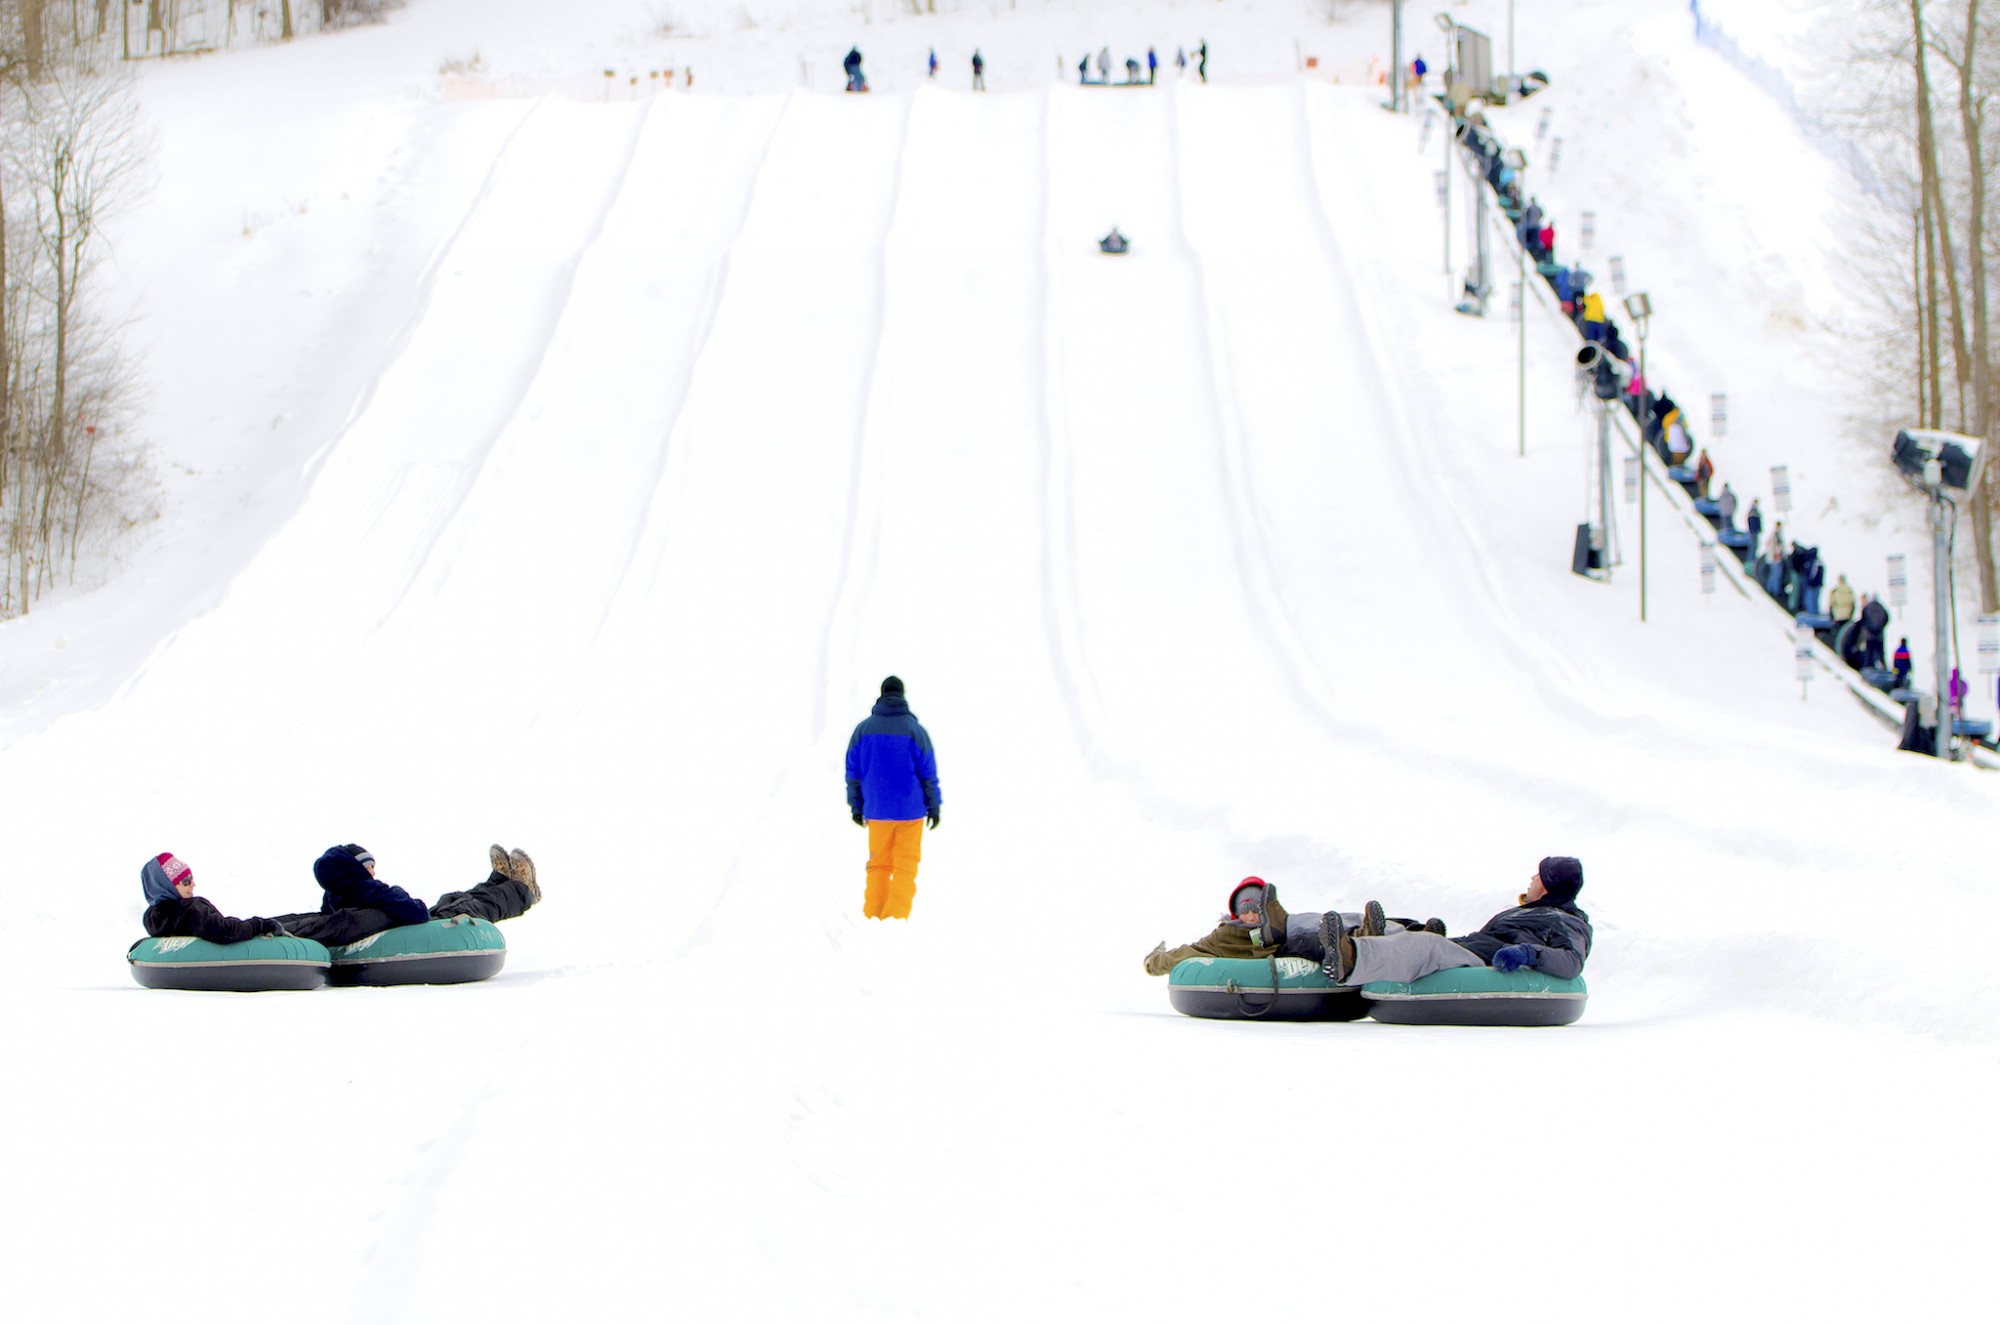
column 933, row 72
column 1152, row 66
column 978, row 71
column 892, row 790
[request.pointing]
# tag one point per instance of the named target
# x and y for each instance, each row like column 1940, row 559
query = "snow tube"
column 438, row 952
column 1275, row 989
column 247, row 967
column 1477, row 996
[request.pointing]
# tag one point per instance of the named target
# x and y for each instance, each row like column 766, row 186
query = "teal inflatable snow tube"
column 1275, row 989
column 1477, row 996
column 251, row 966
column 438, row 952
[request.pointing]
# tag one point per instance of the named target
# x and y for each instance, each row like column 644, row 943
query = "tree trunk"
column 285, row 20
column 1934, row 186
column 32, row 39
column 1972, row 120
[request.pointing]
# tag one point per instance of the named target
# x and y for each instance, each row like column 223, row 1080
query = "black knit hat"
column 892, row 685
column 1562, row 877
column 360, row 853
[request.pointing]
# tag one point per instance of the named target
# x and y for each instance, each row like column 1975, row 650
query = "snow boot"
column 1273, row 932
column 1374, row 921
column 1339, row 946
column 497, row 856
column 522, row 871
column 1434, row 926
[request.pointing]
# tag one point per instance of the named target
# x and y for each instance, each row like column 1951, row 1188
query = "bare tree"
column 74, row 151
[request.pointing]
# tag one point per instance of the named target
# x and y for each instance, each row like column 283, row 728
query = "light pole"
column 1518, row 160
column 1450, row 29
column 1639, row 308
column 1398, row 85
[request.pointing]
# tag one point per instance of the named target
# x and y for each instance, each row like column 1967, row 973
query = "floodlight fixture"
column 1939, row 460
column 1638, row 306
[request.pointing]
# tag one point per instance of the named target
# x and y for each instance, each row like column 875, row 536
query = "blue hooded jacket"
column 347, row 883
column 891, row 768
column 153, row 880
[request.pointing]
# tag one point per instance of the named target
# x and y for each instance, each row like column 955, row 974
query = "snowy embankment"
column 1215, row 559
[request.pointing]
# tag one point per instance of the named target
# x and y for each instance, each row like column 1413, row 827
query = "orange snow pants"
column 894, row 847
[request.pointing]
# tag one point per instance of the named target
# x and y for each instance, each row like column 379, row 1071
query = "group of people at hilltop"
column 1137, row 72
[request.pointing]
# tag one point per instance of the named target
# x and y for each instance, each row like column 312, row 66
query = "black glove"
column 858, row 819
column 936, row 810
column 269, row 929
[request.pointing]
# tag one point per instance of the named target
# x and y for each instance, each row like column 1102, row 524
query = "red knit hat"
column 172, row 865
column 1251, row 881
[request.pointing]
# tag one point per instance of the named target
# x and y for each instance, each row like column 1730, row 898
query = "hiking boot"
column 1374, row 921
column 497, row 856
column 522, row 871
column 1275, row 919
column 1434, row 926
column 1339, row 946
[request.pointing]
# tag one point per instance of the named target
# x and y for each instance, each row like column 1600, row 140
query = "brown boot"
column 1275, row 919
column 496, row 855
column 522, row 871
column 1374, row 921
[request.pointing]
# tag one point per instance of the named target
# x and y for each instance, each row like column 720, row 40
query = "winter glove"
column 859, row 820
column 268, row 928
column 933, row 816
column 1514, row 957
column 1159, row 951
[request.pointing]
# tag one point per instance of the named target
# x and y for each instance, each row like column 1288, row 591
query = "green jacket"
column 1228, row 939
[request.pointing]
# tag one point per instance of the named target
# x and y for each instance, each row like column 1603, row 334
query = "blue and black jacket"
column 1559, row 932
column 348, row 884
column 891, row 768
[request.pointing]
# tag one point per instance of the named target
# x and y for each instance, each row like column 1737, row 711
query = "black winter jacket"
column 198, row 918
column 1559, row 932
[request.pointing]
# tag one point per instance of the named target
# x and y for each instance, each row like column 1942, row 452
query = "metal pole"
column 1941, row 593
column 1645, row 427
column 1521, row 332
column 1397, row 98
column 1512, row 71
column 1604, row 482
column 1450, row 137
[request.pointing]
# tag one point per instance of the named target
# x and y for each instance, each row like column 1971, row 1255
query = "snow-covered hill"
column 569, row 472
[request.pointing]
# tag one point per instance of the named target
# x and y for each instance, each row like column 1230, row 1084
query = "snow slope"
column 674, row 425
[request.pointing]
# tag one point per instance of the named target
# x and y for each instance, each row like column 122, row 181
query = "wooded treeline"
column 1925, row 124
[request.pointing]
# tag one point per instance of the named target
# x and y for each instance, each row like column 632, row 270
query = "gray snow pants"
column 1410, row 955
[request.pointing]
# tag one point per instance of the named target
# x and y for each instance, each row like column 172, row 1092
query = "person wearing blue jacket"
column 892, row 790
column 1547, row 931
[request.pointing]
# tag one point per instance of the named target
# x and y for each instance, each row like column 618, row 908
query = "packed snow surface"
column 567, row 469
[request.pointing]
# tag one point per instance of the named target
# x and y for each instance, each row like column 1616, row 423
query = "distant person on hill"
column 354, row 904
column 1840, row 601
column 1547, row 931
column 933, row 64
column 1152, row 66
column 1131, row 71
column 1113, row 242
column 1104, row 64
column 1083, row 70
column 892, row 790
column 856, row 80
column 1754, row 521
column 1704, row 473
column 1725, row 506
column 1903, row 663
column 978, row 71
column 1201, row 60
column 1180, row 60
